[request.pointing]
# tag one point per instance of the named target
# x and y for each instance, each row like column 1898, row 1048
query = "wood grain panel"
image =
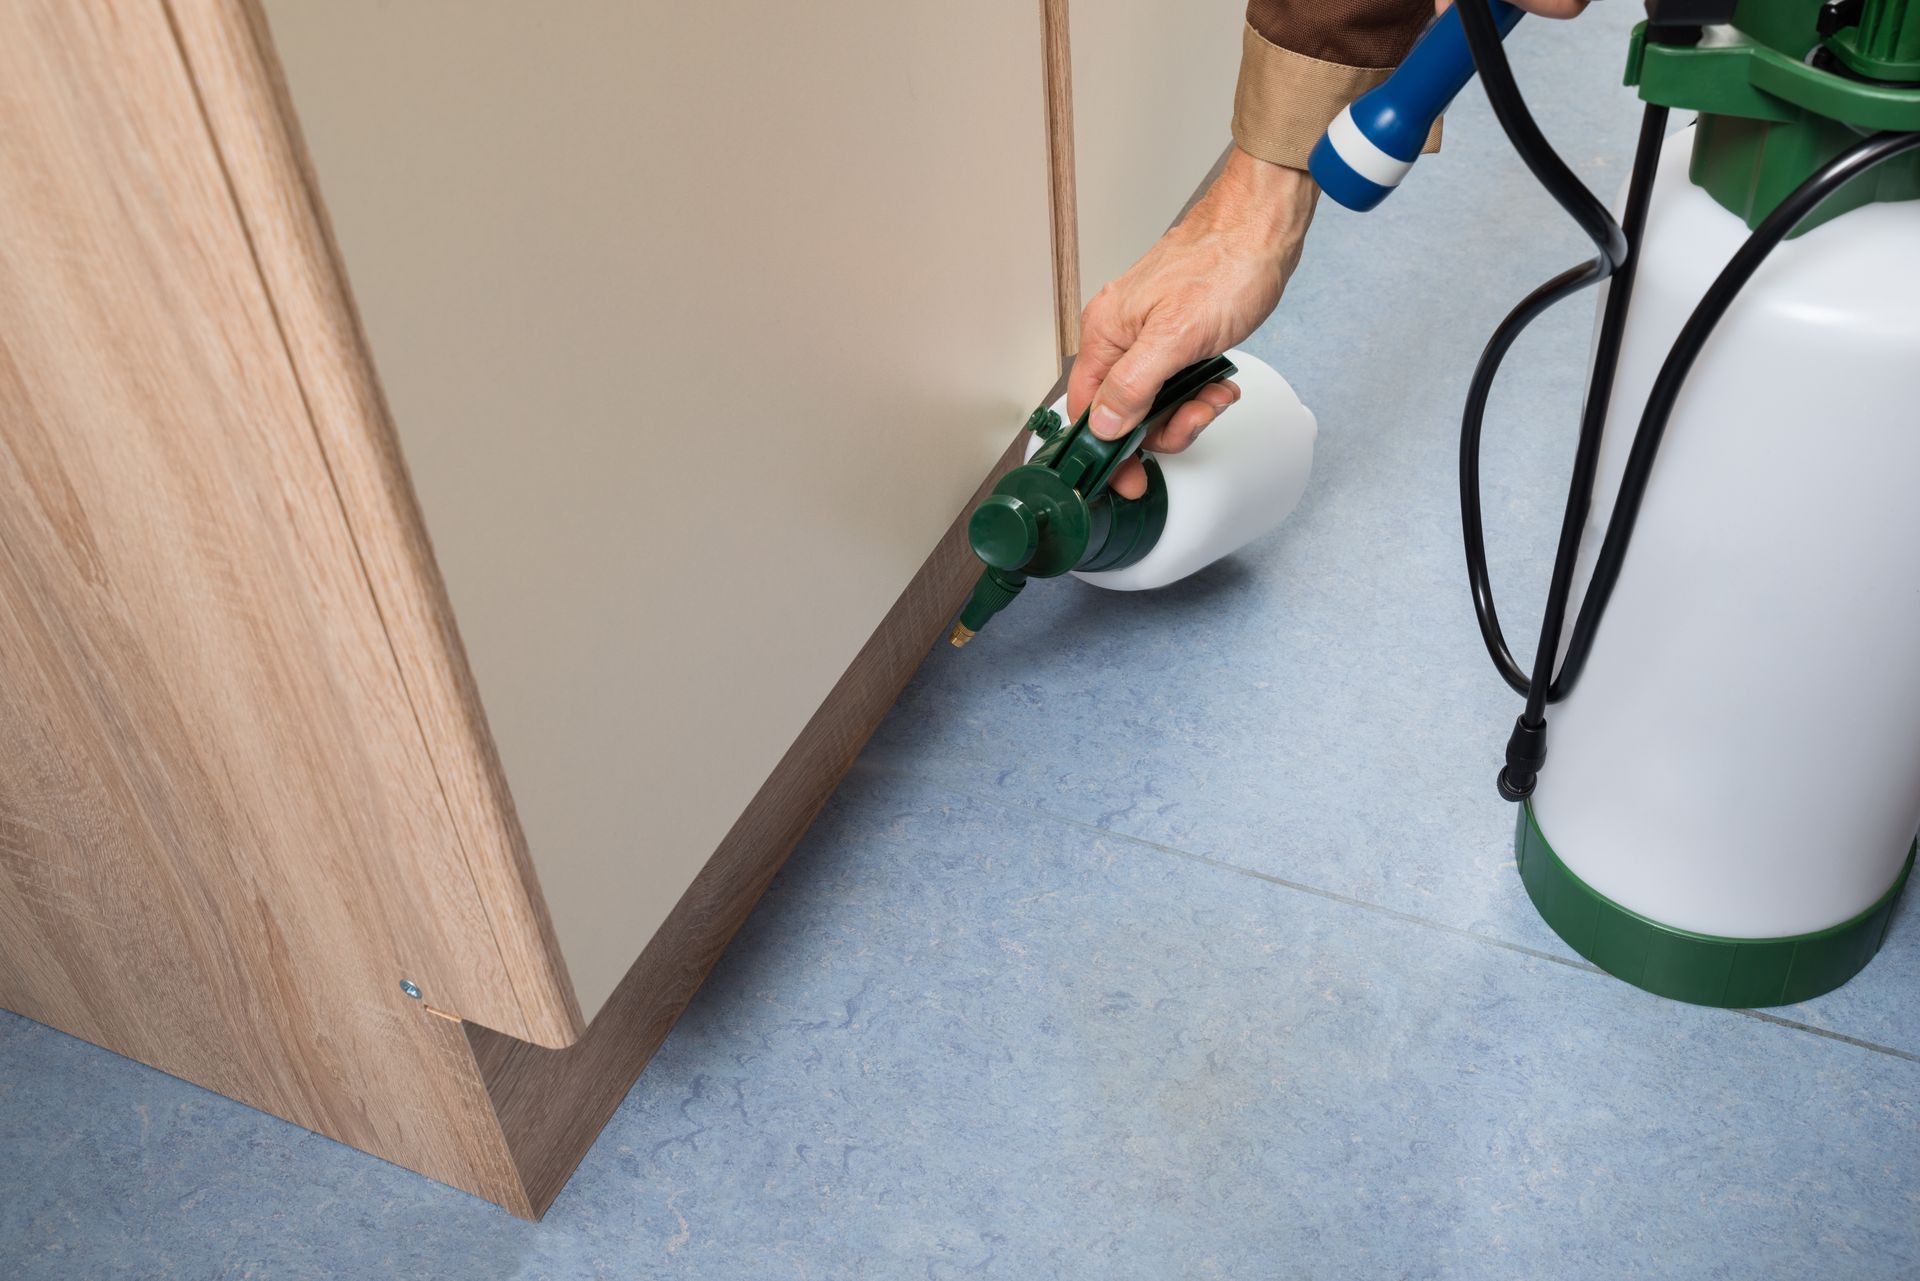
column 222, row 843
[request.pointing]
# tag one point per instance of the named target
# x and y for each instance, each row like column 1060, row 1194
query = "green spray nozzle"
column 1055, row 513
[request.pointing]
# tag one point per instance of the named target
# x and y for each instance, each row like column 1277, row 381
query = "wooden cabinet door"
column 697, row 326
column 223, row 844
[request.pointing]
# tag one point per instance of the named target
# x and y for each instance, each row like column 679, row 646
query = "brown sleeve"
column 1303, row 60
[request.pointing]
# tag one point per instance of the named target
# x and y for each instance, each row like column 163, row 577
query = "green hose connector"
column 1055, row 513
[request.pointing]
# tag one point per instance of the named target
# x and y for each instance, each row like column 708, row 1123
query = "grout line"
column 890, row 771
column 1209, row 861
column 1763, row 1017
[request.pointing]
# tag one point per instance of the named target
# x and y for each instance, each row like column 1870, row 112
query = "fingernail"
column 1107, row 423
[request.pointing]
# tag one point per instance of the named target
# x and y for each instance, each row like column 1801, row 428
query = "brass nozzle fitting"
column 990, row 595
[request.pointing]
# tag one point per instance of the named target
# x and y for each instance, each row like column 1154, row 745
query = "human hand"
column 1206, row 285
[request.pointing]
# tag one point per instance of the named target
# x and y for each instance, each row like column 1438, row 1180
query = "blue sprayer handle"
column 1371, row 144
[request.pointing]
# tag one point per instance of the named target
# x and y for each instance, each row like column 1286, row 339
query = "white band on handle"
column 1362, row 155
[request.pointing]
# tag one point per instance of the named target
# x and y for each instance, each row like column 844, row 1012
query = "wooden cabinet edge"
column 244, row 99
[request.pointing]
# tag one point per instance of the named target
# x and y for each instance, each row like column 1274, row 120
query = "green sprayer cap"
column 1055, row 512
column 1783, row 86
column 1004, row 531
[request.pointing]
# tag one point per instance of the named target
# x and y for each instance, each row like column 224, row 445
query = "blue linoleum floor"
column 1154, row 936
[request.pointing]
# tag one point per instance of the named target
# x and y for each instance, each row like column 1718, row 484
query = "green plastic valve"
column 1055, row 513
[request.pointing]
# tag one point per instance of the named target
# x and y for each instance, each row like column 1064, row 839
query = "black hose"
column 1526, row 747
column 1586, row 458
column 1510, row 109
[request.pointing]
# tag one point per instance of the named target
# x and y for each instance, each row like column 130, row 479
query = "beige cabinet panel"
column 698, row 324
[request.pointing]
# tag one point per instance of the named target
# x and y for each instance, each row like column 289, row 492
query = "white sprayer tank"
column 1239, row 480
column 1741, row 757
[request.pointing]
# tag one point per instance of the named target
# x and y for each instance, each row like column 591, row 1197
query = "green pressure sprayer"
column 1057, row 514
column 1729, row 639
column 1054, row 513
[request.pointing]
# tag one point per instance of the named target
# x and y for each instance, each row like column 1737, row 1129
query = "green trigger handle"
column 1083, row 456
column 1056, row 514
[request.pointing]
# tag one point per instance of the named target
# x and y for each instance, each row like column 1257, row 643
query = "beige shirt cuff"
column 1285, row 100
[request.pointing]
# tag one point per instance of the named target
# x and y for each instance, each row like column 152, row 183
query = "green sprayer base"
column 1703, row 969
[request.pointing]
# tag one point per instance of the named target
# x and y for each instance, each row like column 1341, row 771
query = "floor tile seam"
column 1379, row 909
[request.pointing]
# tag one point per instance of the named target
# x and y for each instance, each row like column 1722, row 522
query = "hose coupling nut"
column 1526, row 753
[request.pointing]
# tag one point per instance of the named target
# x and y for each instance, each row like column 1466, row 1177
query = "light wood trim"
column 253, row 122
column 1055, row 35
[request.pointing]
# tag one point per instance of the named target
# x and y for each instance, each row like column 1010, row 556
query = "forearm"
column 1257, row 203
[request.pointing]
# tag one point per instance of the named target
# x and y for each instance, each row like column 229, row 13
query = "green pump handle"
column 1055, row 513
